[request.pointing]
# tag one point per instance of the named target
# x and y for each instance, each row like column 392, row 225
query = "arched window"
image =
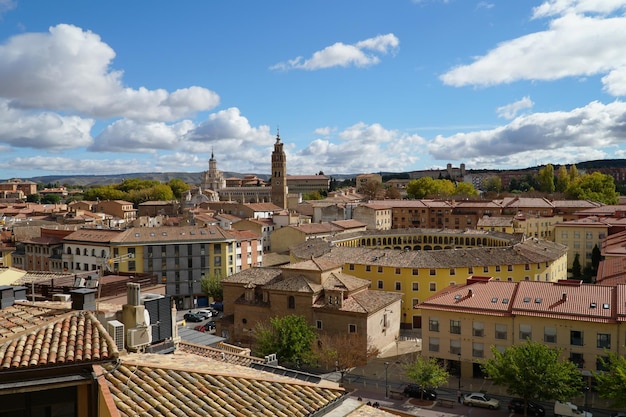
column 69, row 251
column 291, row 302
column 85, row 252
column 93, row 252
column 77, row 251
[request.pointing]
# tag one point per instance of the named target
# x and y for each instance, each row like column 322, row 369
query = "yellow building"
column 420, row 274
column 580, row 237
column 463, row 322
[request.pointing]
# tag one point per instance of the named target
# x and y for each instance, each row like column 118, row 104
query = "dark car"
column 217, row 305
column 415, row 391
column 193, row 317
column 209, row 326
column 516, row 405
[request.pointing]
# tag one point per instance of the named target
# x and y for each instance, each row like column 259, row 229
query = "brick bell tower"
column 279, row 174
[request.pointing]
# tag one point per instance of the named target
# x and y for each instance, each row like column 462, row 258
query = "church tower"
column 213, row 179
column 279, row 175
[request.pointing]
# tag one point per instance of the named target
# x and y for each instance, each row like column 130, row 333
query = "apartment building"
column 463, row 322
column 120, row 209
column 418, row 275
column 581, row 236
column 288, row 236
column 375, row 216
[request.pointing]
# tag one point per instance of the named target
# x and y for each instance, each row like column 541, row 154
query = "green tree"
column 576, row 267
column 178, row 186
column 573, row 172
column 596, row 257
column 545, row 178
column 289, row 337
column 313, row 195
column 33, row 198
column 426, row 373
column 212, row 287
column 50, row 199
column 612, row 382
column 533, row 371
column 562, row 179
column 594, row 187
column 492, row 184
column 465, row 189
column 420, row 187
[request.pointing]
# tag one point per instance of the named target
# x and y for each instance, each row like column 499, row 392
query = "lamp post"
column 386, row 380
column 586, row 398
column 459, row 355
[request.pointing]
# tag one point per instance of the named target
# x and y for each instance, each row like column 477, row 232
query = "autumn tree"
column 562, row 179
column 371, row 189
column 534, row 372
column 594, row 187
column 612, row 381
column 344, row 351
column 392, row 193
column 545, row 177
column 427, row 373
column 289, row 337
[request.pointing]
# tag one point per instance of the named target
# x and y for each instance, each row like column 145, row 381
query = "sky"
column 351, row 86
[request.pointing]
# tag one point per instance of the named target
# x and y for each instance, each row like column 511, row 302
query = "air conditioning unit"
column 116, row 331
column 138, row 337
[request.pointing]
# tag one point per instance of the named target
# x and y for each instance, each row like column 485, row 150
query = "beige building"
column 119, row 209
column 580, row 237
column 331, row 301
column 288, row 236
column 375, row 216
column 463, row 322
column 363, row 179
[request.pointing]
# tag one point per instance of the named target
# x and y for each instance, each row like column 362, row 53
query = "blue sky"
column 353, row 86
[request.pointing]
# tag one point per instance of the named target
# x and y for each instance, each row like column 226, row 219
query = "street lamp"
column 459, row 355
column 386, row 381
column 586, row 389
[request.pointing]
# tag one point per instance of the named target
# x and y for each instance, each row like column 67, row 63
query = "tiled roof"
column 566, row 300
column 369, row 301
column 612, row 271
column 93, row 235
column 166, row 234
column 257, row 276
column 295, row 283
column 494, row 221
column 180, row 385
column 218, row 354
column 75, row 337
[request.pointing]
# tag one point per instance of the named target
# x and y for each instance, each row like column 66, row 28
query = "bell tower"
column 279, row 174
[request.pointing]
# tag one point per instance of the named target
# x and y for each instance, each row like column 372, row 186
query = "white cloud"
column 65, row 165
column 558, row 7
column 130, row 136
column 510, row 111
column 44, row 131
column 360, row 54
column 586, row 129
column 68, row 69
column 324, row 131
column 584, row 45
column 6, row 5
column 362, row 148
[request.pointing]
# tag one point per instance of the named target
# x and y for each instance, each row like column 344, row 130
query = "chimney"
column 564, row 296
column 470, row 293
column 7, row 296
column 132, row 294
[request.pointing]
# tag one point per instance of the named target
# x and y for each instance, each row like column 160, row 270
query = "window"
column 415, row 302
column 501, row 331
column 589, row 235
column 576, row 338
column 319, row 325
column 398, row 286
column 433, row 325
column 478, row 329
column 497, row 268
column 485, row 269
column 452, row 271
column 433, row 344
column 398, row 271
column 509, row 268
column 549, row 335
column 470, row 270
column 525, row 332
column 415, row 286
column 455, row 326
column 352, row 328
column 527, row 267
column 291, row 302
column 604, row 341
column 601, row 362
column 380, row 284
column 433, row 272
column 577, row 359
column 368, row 268
column 380, row 269
column 478, row 350
column 433, row 286
column 415, row 271
column 351, row 267
column 455, row 347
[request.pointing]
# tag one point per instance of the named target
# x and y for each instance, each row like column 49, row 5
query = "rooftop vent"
column 593, row 305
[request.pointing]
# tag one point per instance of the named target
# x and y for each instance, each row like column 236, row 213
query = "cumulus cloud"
column 361, row 54
column 585, row 44
column 45, row 130
column 69, row 69
column 558, row 7
column 361, row 148
column 593, row 126
column 67, row 165
column 510, row 111
column 130, row 136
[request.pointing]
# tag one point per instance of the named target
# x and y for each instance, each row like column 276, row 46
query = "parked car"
column 209, row 326
column 479, row 399
column 414, row 390
column 193, row 317
column 567, row 409
column 217, row 305
column 516, row 405
column 207, row 314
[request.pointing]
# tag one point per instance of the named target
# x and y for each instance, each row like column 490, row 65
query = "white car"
column 206, row 314
column 479, row 399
